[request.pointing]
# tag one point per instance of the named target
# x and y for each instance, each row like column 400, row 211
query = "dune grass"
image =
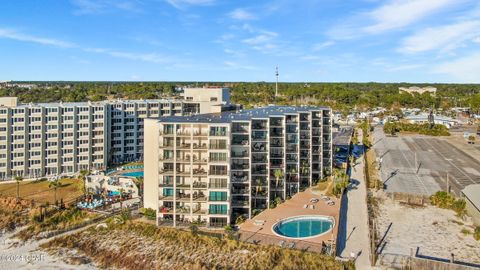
column 142, row 246
column 56, row 220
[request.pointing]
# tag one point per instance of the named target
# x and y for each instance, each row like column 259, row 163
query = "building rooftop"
column 472, row 193
column 343, row 136
column 241, row 115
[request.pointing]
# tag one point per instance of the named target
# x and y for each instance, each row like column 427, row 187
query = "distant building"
column 471, row 193
column 438, row 119
column 341, row 144
column 419, row 90
column 49, row 139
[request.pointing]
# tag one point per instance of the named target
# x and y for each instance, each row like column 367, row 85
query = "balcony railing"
column 222, row 172
column 239, row 203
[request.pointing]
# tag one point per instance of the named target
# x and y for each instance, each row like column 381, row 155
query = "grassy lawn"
column 41, row 193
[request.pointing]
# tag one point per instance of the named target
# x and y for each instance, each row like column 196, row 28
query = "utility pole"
column 276, row 83
column 448, row 184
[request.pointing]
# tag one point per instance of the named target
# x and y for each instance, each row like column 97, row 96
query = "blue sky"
column 242, row 40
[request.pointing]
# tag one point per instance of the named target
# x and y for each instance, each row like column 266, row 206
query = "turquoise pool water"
column 303, row 227
column 133, row 174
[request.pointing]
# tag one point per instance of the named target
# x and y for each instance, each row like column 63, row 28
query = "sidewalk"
column 355, row 218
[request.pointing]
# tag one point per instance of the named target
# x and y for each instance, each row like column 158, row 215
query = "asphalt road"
column 420, row 164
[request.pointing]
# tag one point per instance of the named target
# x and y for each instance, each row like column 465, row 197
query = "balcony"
column 165, row 198
column 239, row 129
column 200, row 146
column 240, row 154
column 259, row 126
column 259, row 147
column 239, row 203
column 166, row 171
column 236, row 166
column 262, row 159
column 239, row 177
column 199, row 185
column 239, row 141
column 219, row 172
column 240, row 191
column 199, row 172
column 183, row 145
column 166, row 184
column 259, row 171
column 200, row 160
column 199, row 211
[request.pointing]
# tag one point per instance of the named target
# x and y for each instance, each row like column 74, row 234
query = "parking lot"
column 422, row 164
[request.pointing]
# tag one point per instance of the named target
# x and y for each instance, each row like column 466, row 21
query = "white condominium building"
column 212, row 168
column 45, row 139
column 52, row 138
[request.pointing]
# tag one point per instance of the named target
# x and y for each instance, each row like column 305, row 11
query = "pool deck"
column 252, row 231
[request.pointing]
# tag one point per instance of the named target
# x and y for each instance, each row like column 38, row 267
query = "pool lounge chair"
column 311, row 206
column 291, row 245
column 305, row 206
column 331, row 203
column 314, row 200
column 259, row 222
column 281, row 243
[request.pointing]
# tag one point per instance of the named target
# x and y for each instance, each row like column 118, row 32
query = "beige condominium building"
column 212, row 168
column 48, row 139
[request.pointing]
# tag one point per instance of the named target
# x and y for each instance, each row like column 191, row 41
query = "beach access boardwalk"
column 353, row 232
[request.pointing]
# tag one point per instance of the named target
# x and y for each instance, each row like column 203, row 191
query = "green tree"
column 278, row 173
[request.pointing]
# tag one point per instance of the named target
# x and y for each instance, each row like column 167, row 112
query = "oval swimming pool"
column 133, row 174
column 303, row 226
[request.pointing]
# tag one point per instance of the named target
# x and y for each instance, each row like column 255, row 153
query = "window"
column 218, row 170
column 167, row 192
column 218, row 131
column 218, row 209
column 218, row 144
column 218, row 183
column 218, row 196
column 213, row 99
column 218, row 156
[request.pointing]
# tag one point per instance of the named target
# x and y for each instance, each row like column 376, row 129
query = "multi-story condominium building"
column 45, row 139
column 211, row 168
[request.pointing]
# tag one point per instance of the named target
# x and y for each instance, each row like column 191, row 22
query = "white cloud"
column 242, row 15
column 393, row 15
column 235, row 65
column 101, row 6
column 445, row 38
column 14, row 35
column 323, row 45
column 464, row 69
column 399, row 13
column 261, row 38
column 182, row 3
column 476, row 40
column 404, row 67
column 144, row 57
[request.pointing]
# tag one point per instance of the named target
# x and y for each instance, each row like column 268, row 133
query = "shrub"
column 476, row 233
column 425, row 129
column 445, row 200
column 149, row 213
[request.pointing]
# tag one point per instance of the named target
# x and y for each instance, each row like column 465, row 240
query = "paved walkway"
column 354, row 228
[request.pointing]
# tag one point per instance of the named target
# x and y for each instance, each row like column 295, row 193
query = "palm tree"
column 18, row 179
column 55, row 184
column 139, row 183
column 278, row 175
column 83, row 177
